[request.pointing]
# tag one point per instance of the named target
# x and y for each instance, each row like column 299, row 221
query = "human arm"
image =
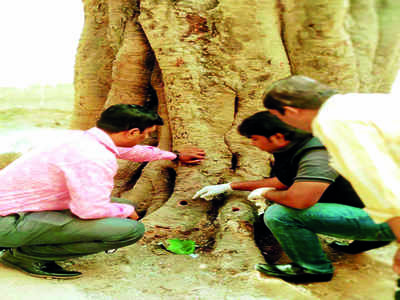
column 313, row 177
column 190, row 155
column 141, row 153
column 300, row 195
column 89, row 184
column 210, row 191
column 251, row 185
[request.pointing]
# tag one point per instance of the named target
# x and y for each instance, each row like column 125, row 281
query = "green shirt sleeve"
column 314, row 166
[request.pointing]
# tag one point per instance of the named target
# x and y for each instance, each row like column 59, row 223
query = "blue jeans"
column 296, row 230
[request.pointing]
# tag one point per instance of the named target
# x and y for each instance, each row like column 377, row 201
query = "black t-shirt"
column 308, row 160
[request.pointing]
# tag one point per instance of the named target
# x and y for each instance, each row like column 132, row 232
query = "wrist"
column 177, row 156
column 266, row 191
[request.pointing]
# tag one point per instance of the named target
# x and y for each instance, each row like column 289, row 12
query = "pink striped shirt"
column 76, row 173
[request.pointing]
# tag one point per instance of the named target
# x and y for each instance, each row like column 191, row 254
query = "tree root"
column 235, row 246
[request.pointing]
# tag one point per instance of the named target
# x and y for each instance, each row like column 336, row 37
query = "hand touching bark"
column 258, row 198
column 134, row 216
column 191, row 155
column 259, row 193
column 211, row 191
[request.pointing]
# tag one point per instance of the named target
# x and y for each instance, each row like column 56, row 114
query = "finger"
column 194, row 162
column 251, row 195
column 199, row 193
column 207, row 195
column 196, row 158
column 195, row 155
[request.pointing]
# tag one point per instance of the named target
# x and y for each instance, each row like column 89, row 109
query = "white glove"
column 210, row 191
column 259, row 201
column 258, row 193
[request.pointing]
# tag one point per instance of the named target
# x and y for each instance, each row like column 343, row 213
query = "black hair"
column 122, row 117
column 266, row 124
column 297, row 91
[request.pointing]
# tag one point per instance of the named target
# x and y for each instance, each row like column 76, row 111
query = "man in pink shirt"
column 55, row 201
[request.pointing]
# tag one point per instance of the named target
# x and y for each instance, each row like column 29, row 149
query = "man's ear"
column 132, row 132
column 291, row 110
column 278, row 138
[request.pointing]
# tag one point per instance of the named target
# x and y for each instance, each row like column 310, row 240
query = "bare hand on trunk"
column 191, row 155
column 134, row 216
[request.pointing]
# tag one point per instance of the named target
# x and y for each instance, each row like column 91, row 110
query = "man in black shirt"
column 309, row 198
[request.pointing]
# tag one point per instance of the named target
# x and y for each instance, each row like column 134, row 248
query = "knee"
column 126, row 230
column 276, row 215
column 136, row 231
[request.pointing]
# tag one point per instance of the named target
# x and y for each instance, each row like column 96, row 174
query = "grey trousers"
column 59, row 235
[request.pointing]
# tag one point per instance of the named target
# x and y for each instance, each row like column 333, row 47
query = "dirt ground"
column 140, row 272
column 136, row 272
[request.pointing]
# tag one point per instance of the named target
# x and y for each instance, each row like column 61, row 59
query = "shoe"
column 42, row 269
column 356, row 247
column 293, row 273
column 266, row 242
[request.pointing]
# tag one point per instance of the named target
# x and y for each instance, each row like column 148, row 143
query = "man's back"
column 362, row 134
column 37, row 180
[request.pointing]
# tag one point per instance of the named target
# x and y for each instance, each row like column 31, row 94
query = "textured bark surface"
column 204, row 65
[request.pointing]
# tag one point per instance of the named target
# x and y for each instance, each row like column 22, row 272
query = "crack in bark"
column 234, row 161
column 281, row 9
column 236, row 108
column 235, row 156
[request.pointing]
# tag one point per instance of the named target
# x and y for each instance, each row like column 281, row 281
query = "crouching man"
column 55, row 200
column 309, row 198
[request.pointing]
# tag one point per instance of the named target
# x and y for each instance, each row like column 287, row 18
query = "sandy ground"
column 139, row 272
column 136, row 272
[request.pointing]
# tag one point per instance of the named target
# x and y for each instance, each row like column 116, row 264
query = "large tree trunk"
column 205, row 64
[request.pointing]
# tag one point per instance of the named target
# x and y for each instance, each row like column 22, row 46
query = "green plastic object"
column 178, row 246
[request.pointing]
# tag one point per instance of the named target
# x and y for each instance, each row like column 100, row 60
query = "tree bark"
column 93, row 65
column 205, row 65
